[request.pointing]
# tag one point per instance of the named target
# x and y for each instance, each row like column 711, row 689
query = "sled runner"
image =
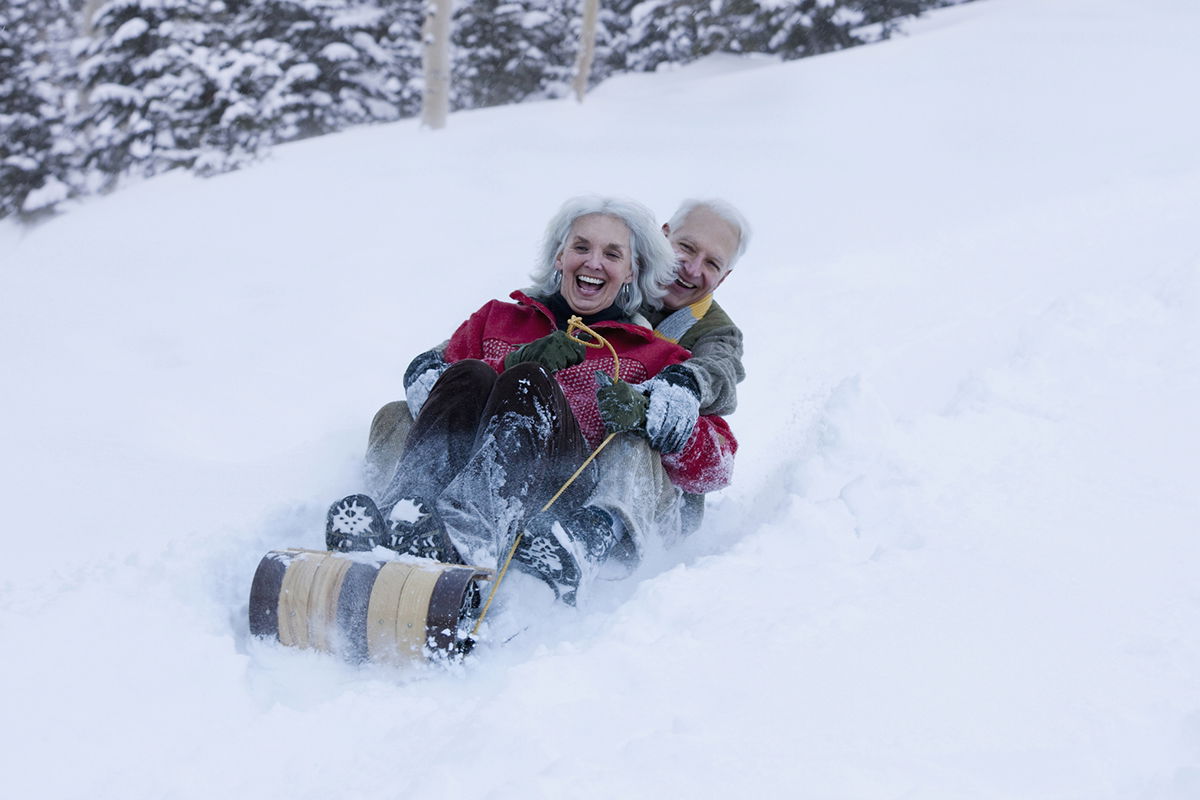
column 364, row 608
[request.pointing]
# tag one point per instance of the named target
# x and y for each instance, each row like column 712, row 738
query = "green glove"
column 622, row 407
column 554, row 351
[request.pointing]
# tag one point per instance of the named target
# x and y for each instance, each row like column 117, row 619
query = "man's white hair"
column 725, row 211
column 651, row 255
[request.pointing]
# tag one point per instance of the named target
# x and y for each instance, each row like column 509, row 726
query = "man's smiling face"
column 704, row 246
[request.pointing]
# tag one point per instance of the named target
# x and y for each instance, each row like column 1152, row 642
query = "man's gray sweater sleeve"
column 717, row 364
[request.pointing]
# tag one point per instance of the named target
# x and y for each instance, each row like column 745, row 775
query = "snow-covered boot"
column 561, row 550
column 353, row 523
column 414, row 528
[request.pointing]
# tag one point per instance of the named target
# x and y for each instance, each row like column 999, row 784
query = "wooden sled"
column 364, row 608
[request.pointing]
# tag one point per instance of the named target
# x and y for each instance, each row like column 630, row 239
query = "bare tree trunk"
column 435, row 57
column 587, row 47
column 89, row 16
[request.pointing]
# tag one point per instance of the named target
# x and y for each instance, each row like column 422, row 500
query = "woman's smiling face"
column 596, row 261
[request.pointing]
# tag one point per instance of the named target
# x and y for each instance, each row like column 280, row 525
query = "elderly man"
column 708, row 236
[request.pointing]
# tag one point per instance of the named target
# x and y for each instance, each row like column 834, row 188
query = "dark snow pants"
column 489, row 450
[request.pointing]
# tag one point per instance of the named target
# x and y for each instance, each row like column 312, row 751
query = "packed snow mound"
column 957, row 559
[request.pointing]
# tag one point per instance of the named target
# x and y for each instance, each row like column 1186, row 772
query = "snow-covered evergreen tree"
column 207, row 84
column 802, row 28
column 336, row 61
column 507, row 51
column 299, row 68
column 34, row 152
column 146, row 93
column 403, row 21
column 677, row 31
column 889, row 14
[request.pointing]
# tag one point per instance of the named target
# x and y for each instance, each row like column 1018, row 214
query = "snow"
column 116, row 93
column 51, row 192
column 405, row 510
column 958, row 557
column 131, row 29
column 298, row 73
column 338, row 51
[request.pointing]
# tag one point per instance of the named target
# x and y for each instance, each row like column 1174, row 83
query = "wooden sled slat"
column 413, row 613
column 293, row 600
column 383, row 610
column 323, row 603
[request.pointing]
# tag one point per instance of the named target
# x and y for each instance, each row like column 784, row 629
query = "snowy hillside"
column 959, row 559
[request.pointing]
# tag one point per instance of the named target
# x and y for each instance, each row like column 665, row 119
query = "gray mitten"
column 674, row 408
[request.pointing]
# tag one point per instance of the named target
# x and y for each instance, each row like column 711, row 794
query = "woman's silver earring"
column 624, row 294
column 557, row 282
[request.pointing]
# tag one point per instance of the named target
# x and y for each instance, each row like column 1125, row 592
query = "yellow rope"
column 573, row 324
column 576, row 324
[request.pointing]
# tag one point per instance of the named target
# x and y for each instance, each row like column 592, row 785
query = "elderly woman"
column 510, row 407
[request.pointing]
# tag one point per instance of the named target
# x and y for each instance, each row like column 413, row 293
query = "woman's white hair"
column 651, row 255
